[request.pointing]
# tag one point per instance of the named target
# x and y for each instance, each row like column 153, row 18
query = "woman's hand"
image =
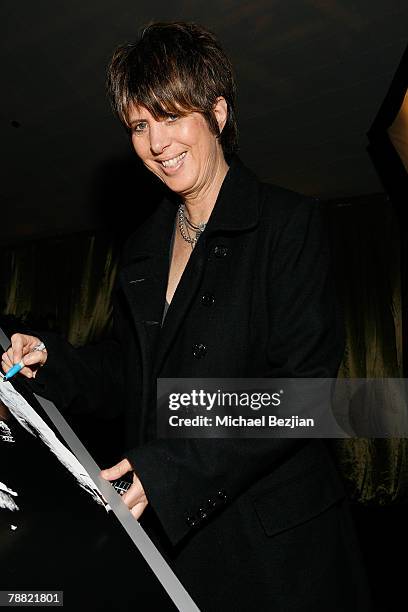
column 135, row 497
column 21, row 350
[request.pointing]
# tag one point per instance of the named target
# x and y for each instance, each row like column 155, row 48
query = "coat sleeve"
column 306, row 334
column 186, row 481
column 92, row 374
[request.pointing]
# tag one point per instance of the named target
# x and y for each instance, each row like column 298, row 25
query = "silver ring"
column 40, row 347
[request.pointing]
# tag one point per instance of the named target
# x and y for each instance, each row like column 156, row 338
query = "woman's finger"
column 134, row 495
column 27, row 372
column 138, row 509
column 118, row 470
column 17, row 343
column 35, row 358
column 10, row 355
column 6, row 362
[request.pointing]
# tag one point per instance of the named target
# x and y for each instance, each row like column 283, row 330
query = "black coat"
column 245, row 523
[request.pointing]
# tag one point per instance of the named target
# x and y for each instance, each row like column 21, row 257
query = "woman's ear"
column 221, row 112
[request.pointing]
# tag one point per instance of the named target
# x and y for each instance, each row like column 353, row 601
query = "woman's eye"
column 140, row 127
column 172, row 118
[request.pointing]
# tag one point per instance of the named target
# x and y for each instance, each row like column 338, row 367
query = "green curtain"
column 366, row 252
column 63, row 283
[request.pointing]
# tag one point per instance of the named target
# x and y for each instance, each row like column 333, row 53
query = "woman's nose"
column 159, row 137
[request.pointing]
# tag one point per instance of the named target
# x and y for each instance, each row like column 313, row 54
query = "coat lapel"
column 183, row 296
column 144, row 284
column 143, row 279
column 236, row 210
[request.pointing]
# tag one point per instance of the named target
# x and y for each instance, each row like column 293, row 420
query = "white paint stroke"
column 13, row 527
column 5, row 432
column 6, row 501
column 34, row 424
column 5, row 488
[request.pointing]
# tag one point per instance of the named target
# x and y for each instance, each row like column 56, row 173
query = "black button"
column 199, row 350
column 220, row 250
column 208, row 299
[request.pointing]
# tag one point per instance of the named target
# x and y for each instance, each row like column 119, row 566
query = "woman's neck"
column 199, row 206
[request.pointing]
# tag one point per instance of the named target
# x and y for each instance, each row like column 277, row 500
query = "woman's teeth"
column 170, row 163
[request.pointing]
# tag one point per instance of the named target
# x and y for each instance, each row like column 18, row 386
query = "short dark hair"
column 174, row 68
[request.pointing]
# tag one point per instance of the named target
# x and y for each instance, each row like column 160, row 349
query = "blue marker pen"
column 19, row 366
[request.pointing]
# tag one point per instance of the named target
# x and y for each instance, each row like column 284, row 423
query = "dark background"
column 311, row 76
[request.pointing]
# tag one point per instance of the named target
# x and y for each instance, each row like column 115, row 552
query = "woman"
column 232, row 281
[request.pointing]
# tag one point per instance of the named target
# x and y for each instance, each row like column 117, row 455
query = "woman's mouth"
column 174, row 163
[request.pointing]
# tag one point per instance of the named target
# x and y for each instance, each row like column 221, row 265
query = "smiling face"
column 180, row 150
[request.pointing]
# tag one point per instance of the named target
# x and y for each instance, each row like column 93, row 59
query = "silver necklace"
column 184, row 224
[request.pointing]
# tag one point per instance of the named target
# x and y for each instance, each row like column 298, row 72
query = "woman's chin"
column 179, row 183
